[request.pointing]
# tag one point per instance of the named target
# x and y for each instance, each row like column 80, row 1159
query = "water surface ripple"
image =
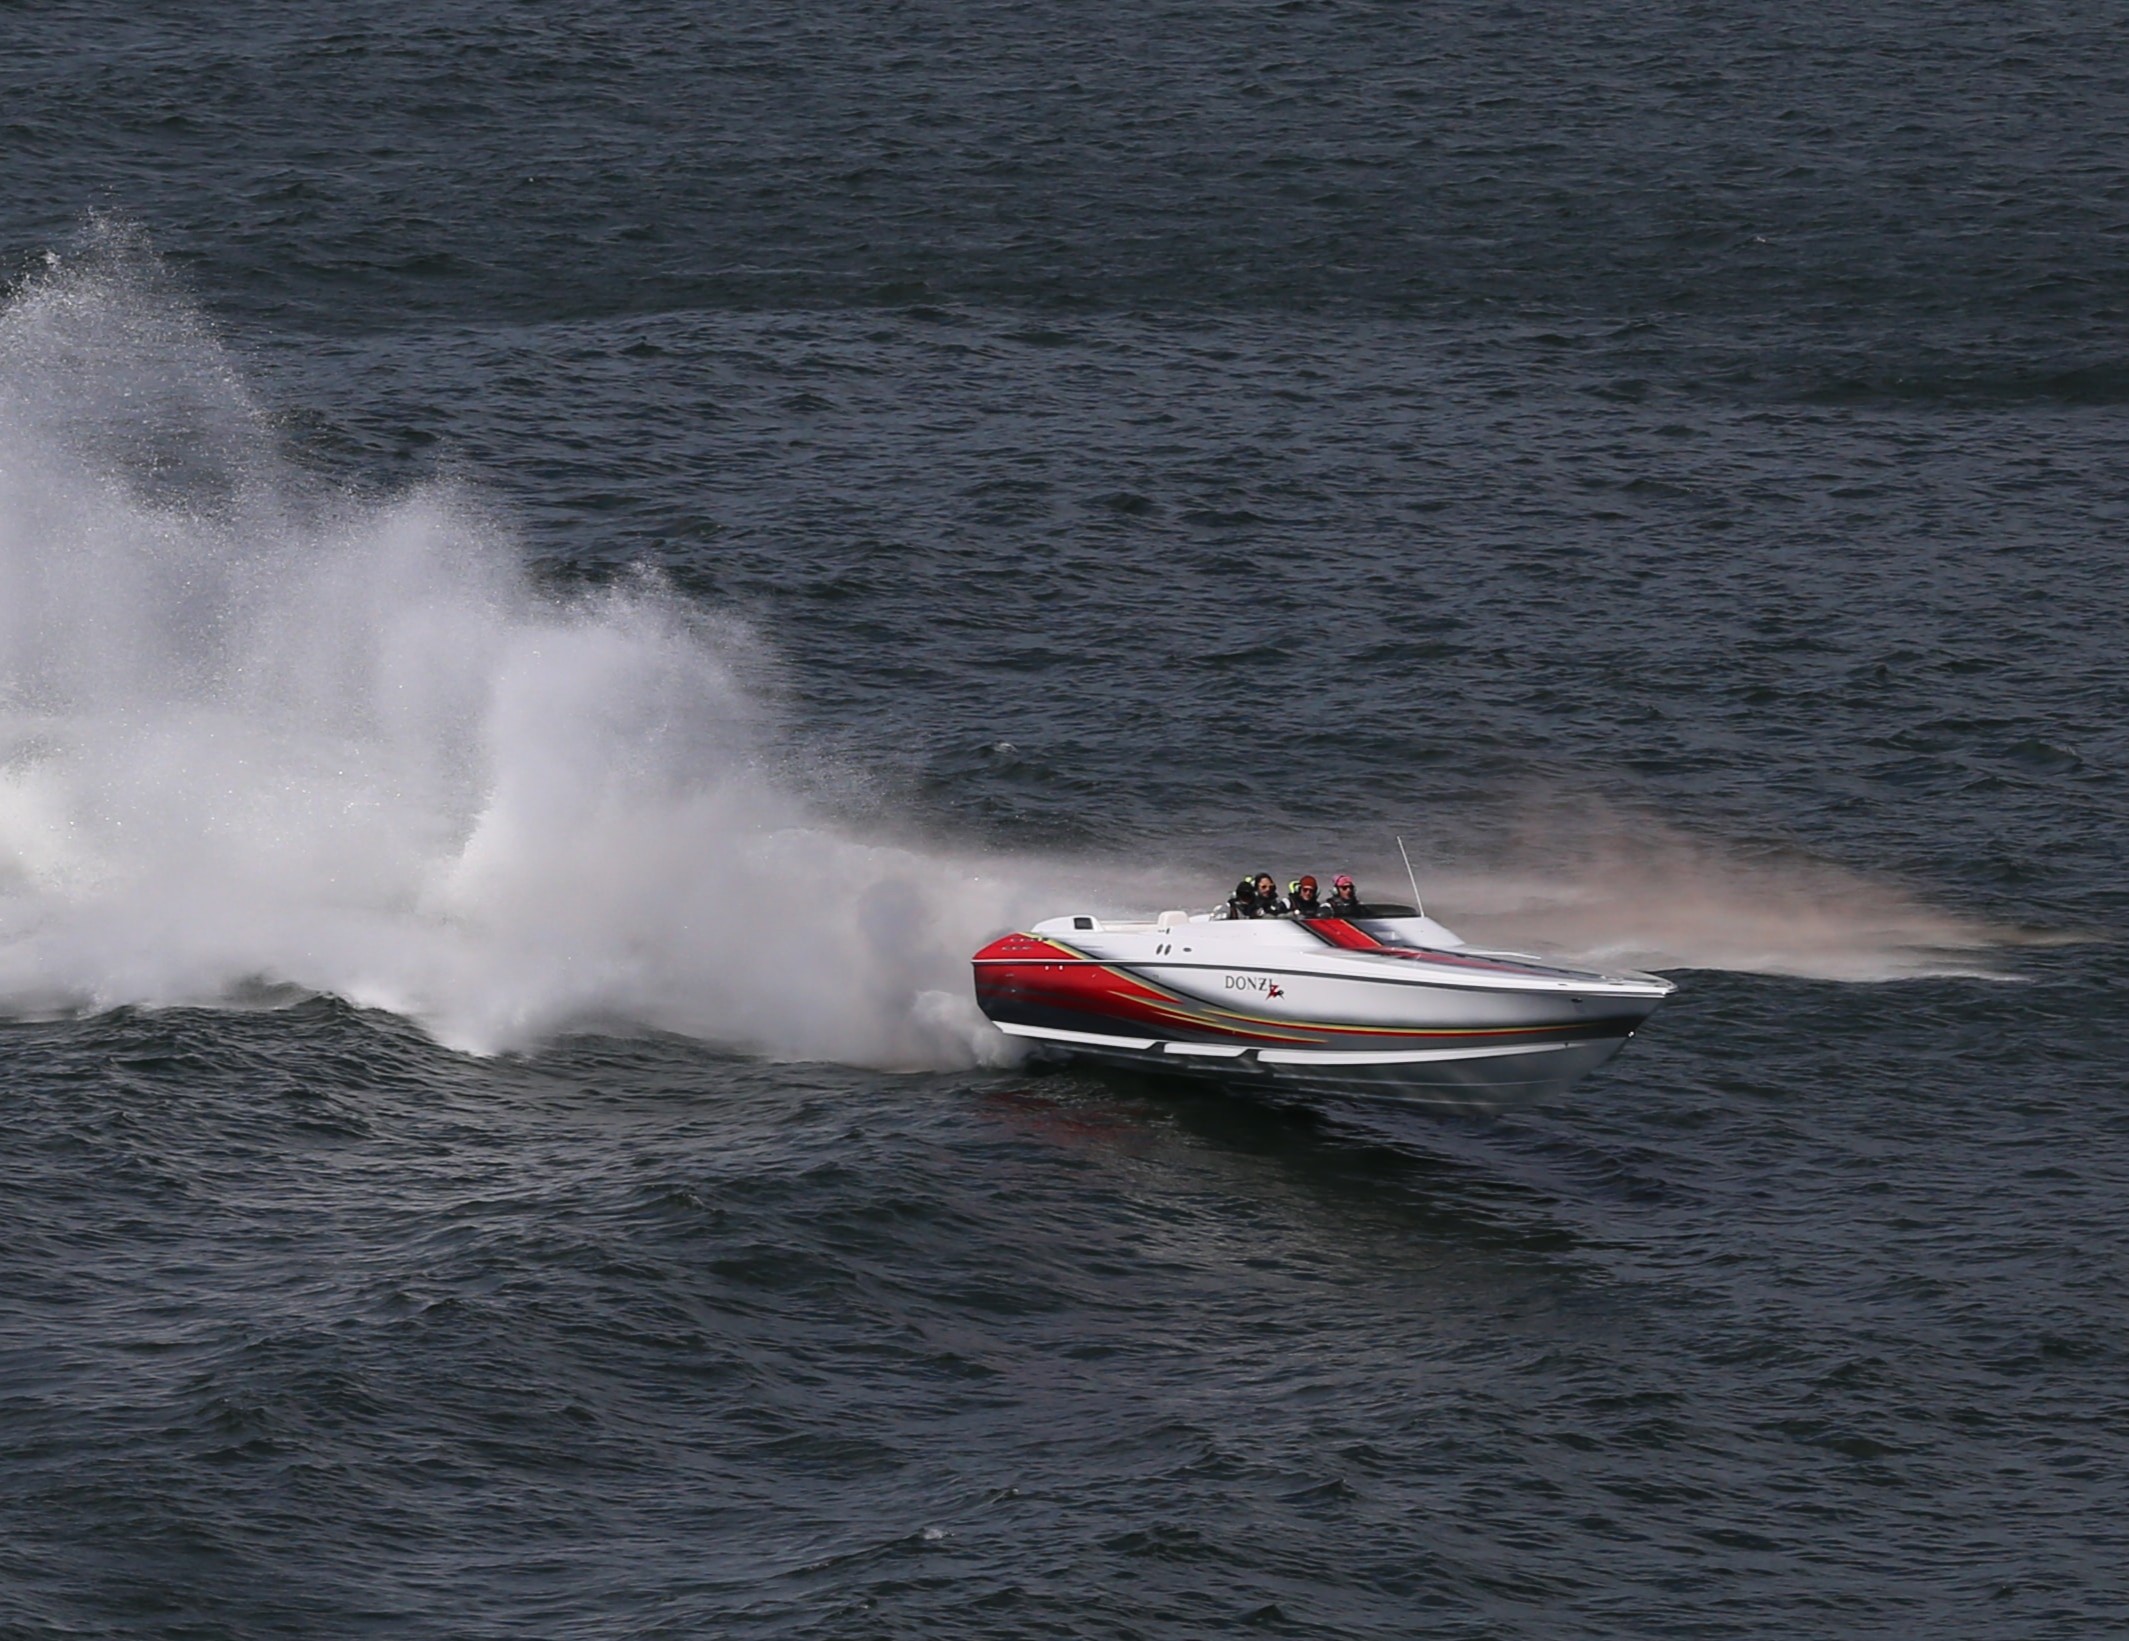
column 555, row 575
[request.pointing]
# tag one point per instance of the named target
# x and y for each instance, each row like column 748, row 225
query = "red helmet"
column 1308, row 884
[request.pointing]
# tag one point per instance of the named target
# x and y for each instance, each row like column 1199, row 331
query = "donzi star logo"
column 1275, row 991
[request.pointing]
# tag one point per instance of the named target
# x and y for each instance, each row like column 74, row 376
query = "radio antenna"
column 1418, row 905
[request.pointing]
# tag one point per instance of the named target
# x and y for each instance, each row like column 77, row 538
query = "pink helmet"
column 1341, row 881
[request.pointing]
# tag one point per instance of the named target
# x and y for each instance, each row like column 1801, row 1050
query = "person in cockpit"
column 1243, row 902
column 1268, row 902
column 1345, row 899
column 1305, row 902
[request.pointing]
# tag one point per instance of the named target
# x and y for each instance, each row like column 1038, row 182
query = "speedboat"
column 1383, row 1004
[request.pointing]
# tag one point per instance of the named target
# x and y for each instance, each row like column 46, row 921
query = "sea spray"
column 248, row 733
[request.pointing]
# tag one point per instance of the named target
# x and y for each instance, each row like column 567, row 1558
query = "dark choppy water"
column 557, row 574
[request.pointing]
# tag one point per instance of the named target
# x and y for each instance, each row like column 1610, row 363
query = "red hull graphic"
column 1376, row 1007
column 1028, row 980
column 1021, row 978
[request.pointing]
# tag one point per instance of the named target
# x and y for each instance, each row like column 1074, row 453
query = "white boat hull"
column 1370, row 1008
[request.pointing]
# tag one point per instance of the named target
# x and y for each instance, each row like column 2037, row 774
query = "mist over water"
column 256, row 734
column 1646, row 895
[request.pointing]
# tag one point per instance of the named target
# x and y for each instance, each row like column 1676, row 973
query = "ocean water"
column 559, row 574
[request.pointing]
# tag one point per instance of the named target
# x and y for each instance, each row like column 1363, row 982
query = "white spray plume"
column 245, row 739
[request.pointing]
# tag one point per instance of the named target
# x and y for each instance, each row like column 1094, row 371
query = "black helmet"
column 1246, row 889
